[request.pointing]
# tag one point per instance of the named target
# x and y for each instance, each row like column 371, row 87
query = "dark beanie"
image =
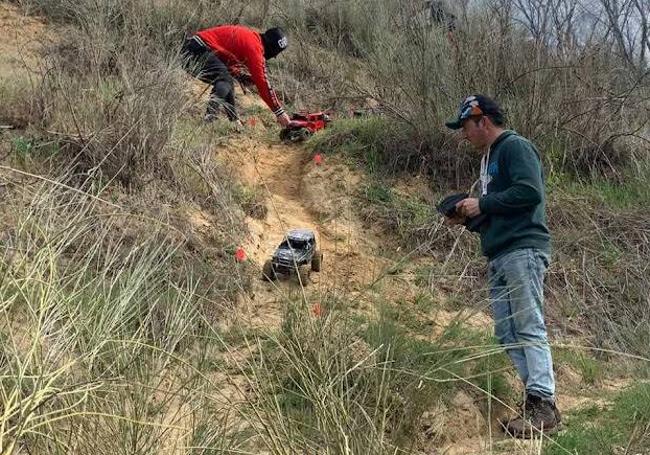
column 274, row 41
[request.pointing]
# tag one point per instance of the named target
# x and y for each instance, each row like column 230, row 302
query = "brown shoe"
column 558, row 419
column 539, row 416
column 506, row 419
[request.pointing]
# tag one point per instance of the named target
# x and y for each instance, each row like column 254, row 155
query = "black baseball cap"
column 476, row 106
column 274, row 41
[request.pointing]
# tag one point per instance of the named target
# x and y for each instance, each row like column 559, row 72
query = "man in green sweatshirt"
column 516, row 241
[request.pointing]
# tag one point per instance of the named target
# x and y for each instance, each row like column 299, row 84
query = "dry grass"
column 99, row 308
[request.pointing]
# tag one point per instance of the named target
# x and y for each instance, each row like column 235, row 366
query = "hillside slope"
column 363, row 270
column 362, row 266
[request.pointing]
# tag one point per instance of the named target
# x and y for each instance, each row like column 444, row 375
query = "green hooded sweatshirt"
column 515, row 201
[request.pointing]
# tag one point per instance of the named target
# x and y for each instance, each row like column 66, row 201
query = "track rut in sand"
column 298, row 193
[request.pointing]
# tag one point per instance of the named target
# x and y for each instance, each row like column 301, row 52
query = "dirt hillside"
column 301, row 193
column 298, row 192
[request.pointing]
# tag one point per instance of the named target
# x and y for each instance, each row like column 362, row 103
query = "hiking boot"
column 506, row 419
column 210, row 117
column 558, row 416
column 538, row 416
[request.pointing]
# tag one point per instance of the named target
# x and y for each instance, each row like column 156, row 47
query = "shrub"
column 98, row 306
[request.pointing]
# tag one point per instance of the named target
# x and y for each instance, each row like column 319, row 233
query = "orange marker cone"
column 240, row 254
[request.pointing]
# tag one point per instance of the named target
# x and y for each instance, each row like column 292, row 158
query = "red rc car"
column 303, row 125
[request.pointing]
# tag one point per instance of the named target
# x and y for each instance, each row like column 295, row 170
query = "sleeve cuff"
column 484, row 204
column 279, row 111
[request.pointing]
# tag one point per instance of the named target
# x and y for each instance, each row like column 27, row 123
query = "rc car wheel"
column 294, row 135
column 316, row 261
column 301, row 135
column 268, row 272
column 285, row 135
column 303, row 274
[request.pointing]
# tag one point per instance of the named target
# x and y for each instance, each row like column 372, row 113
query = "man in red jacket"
column 216, row 55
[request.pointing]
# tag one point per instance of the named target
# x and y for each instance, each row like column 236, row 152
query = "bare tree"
column 536, row 16
column 563, row 16
column 643, row 9
column 627, row 25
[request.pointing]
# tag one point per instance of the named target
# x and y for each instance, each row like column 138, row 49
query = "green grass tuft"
column 625, row 424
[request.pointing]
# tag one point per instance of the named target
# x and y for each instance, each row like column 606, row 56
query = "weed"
column 252, row 201
column 333, row 377
column 403, row 215
column 22, row 146
column 380, row 145
column 424, row 302
column 590, row 369
column 626, row 192
column 605, row 431
column 31, row 149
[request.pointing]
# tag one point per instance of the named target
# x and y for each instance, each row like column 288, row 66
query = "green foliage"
column 322, row 386
column 376, row 193
column 632, row 407
column 382, row 145
column 591, row 370
column 604, row 431
column 424, row 303
column 22, row 146
column 338, row 375
column 29, row 149
column 629, row 191
column 406, row 316
column 586, row 440
column 402, row 215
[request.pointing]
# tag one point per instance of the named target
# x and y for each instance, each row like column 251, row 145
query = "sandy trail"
column 295, row 189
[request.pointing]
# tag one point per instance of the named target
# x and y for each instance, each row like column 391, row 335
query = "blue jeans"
column 517, row 297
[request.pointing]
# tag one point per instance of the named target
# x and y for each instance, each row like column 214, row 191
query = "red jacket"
column 236, row 45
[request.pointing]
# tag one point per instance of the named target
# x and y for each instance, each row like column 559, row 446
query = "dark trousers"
column 204, row 64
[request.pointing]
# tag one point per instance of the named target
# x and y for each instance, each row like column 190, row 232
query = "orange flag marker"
column 240, row 254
